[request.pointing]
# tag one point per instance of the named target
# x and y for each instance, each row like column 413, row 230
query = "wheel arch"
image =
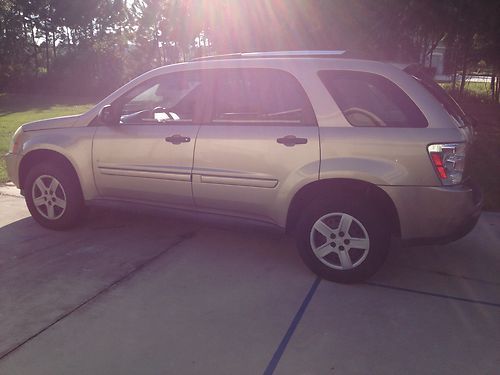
column 366, row 190
column 38, row 156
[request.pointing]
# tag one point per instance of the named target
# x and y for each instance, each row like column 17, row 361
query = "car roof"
column 321, row 54
column 271, row 54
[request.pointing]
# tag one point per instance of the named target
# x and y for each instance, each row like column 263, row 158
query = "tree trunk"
column 424, row 50
column 497, row 91
column 47, row 56
column 453, row 58
column 74, row 38
column 433, row 47
column 35, row 49
column 493, row 85
column 67, row 34
column 464, row 72
column 54, row 44
column 454, row 79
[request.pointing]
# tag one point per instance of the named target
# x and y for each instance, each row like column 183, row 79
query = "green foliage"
column 93, row 46
column 485, row 152
column 474, row 92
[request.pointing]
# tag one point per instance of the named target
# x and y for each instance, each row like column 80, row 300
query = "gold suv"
column 345, row 154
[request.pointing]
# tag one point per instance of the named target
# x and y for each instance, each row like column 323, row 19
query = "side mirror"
column 107, row 115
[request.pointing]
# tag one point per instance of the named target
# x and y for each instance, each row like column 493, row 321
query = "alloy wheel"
column 49, row 197
column 339, row 241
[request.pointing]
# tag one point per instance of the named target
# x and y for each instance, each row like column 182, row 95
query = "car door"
column 258, row 141
column 148, row 156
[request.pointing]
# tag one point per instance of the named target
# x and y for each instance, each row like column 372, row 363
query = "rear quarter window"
column 370, row 100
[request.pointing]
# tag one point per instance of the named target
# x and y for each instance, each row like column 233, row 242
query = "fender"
column 375, row 171
column 295, row 181
column 75, row 144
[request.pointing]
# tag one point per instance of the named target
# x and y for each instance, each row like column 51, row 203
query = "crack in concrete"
column 8, row 265
column 432, row 294
column 449, row 274
column 181, row 238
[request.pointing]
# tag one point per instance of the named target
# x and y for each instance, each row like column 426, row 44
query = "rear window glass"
column 448, row 103
column 371, row 100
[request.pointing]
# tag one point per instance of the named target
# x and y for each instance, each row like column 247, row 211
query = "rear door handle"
column 291, row 140
column 177, row 139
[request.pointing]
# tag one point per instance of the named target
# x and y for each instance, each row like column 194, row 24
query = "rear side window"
column 260, row 96
column 371, row 100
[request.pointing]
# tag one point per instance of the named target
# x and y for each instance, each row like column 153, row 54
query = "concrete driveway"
column 138, row 293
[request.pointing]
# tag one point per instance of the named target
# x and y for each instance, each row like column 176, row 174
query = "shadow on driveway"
column 221, row 278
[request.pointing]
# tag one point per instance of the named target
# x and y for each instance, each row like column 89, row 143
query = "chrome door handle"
column 177, row 139
column 291, row 140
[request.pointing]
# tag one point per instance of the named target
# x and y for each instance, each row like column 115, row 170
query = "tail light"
column 449, row 161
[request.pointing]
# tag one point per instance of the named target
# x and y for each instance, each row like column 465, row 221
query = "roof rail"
column 248, row 55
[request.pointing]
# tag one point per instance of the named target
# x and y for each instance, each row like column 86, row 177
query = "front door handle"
column 177, row 139
column 291, row 140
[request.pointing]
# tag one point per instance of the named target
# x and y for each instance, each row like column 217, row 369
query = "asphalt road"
column 137, row 293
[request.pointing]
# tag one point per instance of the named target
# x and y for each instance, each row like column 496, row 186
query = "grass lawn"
column 472, row 88
column 16, row 110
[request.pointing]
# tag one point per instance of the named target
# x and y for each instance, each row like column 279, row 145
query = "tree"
column 102, row 43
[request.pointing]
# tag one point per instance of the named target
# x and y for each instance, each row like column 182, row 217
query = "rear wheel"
column 53, row 196
column 343, row 240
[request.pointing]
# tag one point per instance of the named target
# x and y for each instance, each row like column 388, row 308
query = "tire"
column 343, row 239
column 53, row 196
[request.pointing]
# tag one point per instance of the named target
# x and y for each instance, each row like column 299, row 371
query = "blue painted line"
column 461, row 299
column 289, row 333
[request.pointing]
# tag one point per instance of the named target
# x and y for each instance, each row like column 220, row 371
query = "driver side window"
column 171, row 98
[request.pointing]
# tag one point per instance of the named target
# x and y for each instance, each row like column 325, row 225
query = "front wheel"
column 53, row 196
column 341, row 241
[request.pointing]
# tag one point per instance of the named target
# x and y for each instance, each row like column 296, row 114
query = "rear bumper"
column 436, row 215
